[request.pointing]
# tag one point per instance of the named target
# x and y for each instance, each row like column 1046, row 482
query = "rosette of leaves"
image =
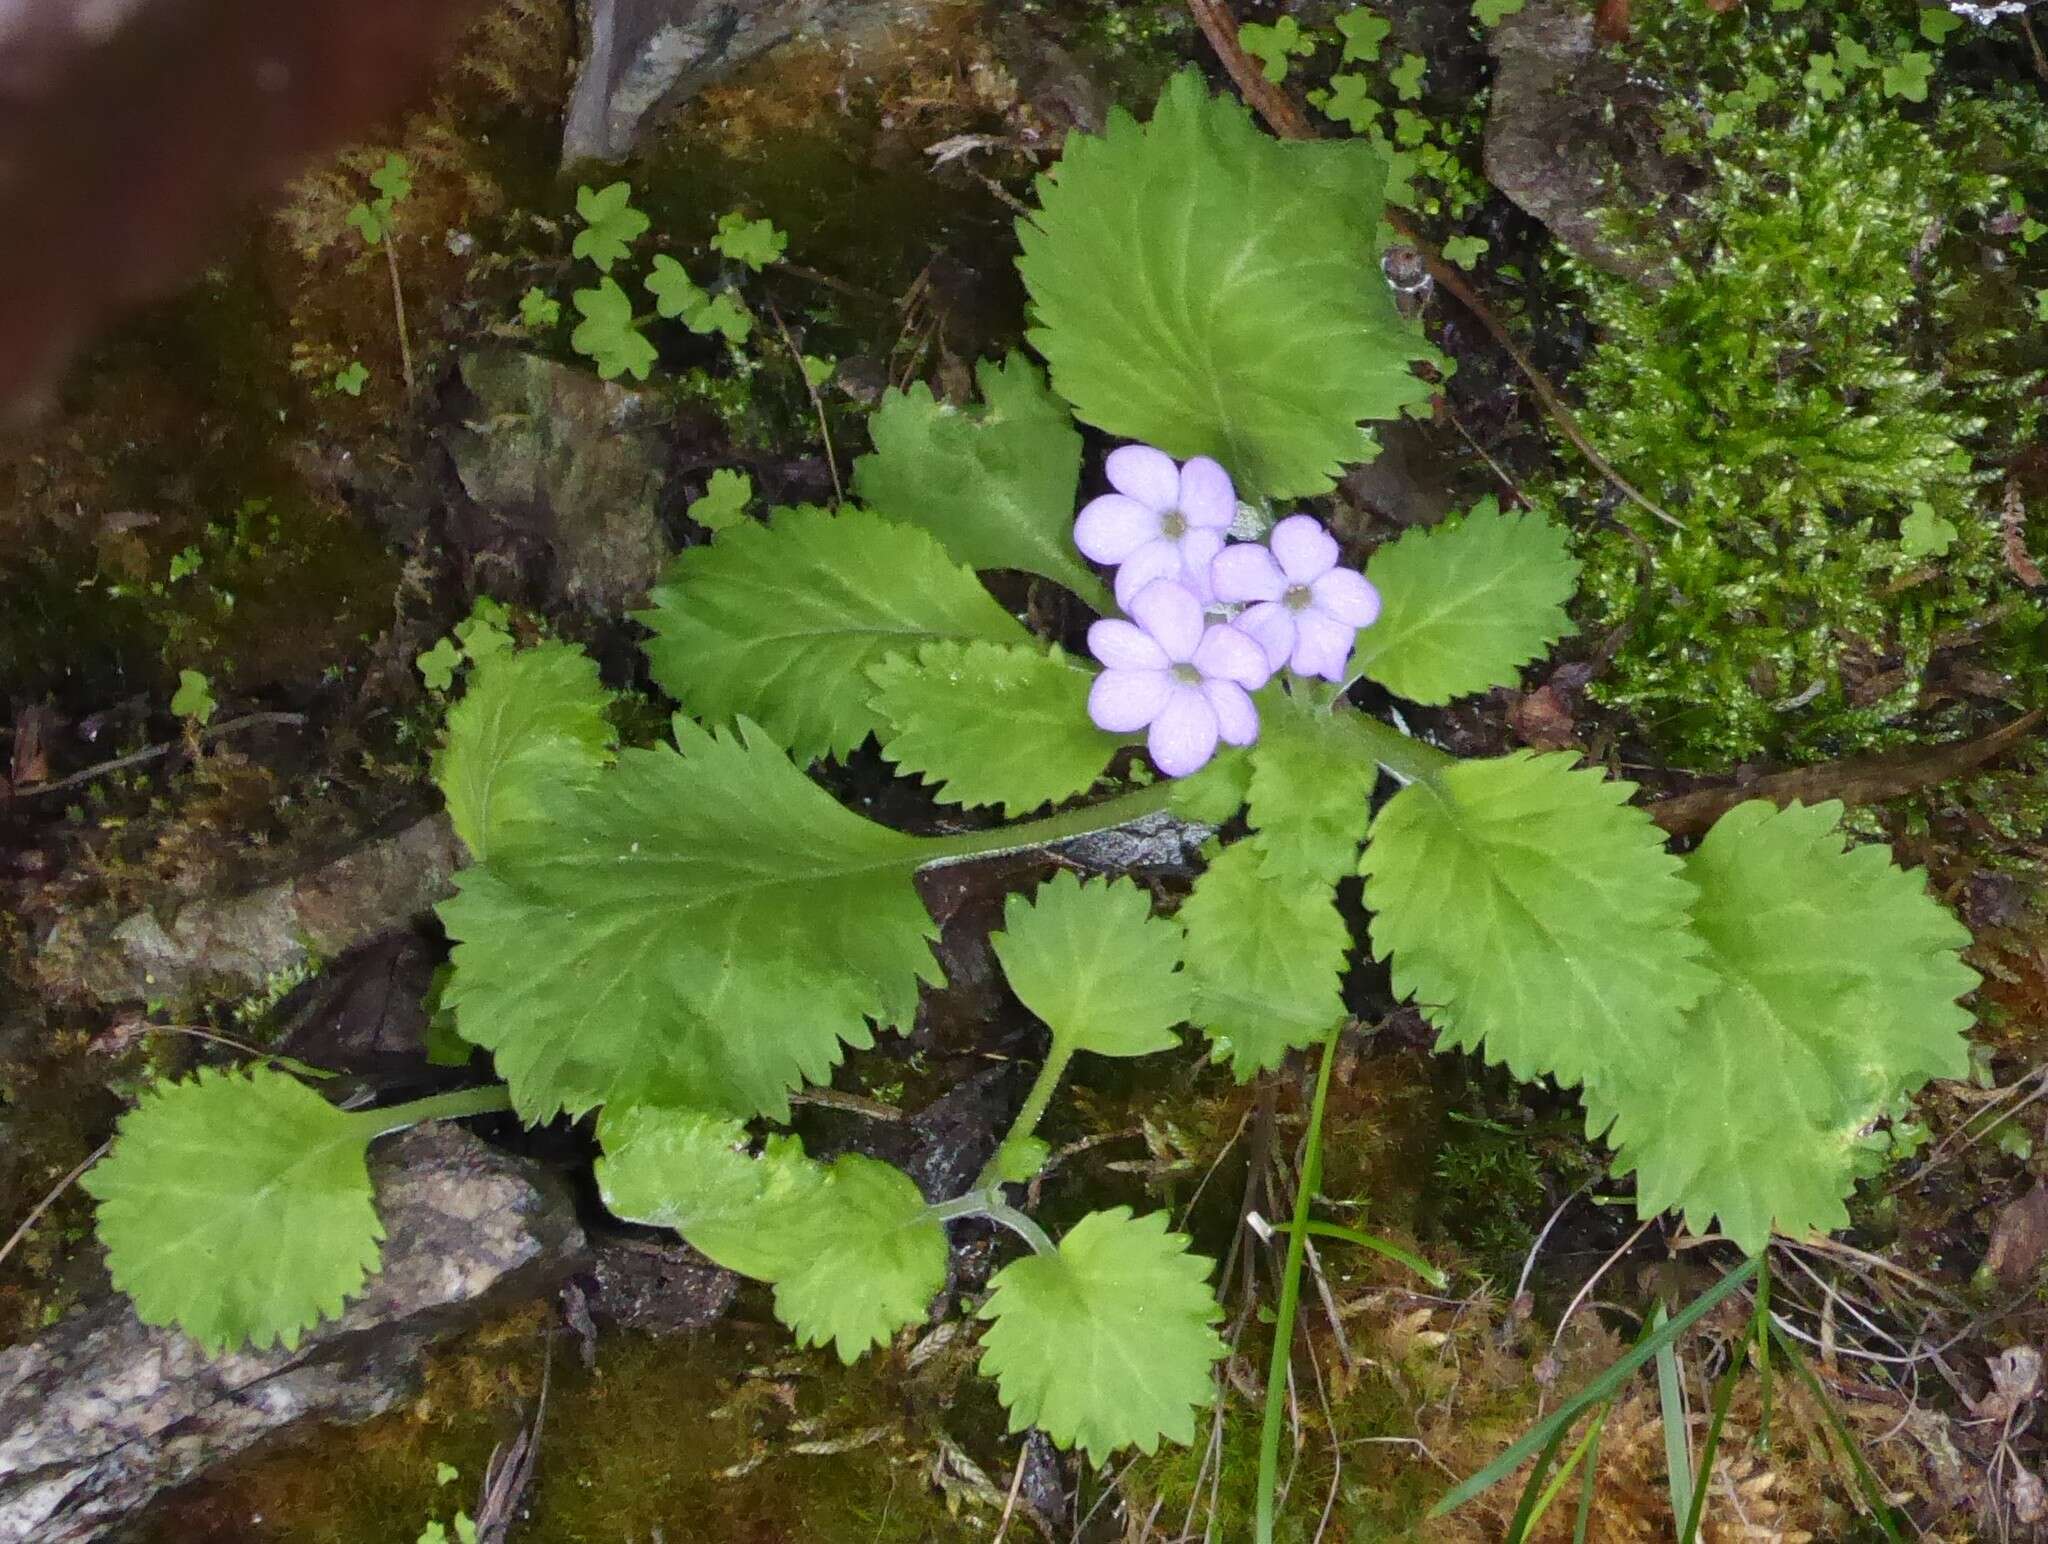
column 1203, row 287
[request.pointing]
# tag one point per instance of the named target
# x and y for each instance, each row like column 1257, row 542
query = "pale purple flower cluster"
column 1209, row 622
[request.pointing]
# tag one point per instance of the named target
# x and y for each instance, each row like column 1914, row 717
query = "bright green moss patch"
column 1835, row 349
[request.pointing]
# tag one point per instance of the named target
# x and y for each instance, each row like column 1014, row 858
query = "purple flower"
column 1163, row 522
column 1187, row 682
column 1306, row 611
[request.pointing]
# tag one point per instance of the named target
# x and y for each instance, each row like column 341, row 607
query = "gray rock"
column 645, row 58
column 1162, row 843
column 239, row 943
column 578, row 463
column 1569, row 134
column 658, row 1288
column 101, row 1413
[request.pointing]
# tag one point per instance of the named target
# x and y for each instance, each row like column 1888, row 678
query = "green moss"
column 1833, row 342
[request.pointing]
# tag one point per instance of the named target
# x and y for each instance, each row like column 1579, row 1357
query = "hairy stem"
column 1063, row 827
column 463, row 1102
column 398, row 311
column 1290, row 1295
column 987, row 1201
column 1033, row 1111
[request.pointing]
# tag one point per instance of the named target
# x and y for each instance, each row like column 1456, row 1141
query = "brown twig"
column 398, row 311
column 1855, row 780
column 1286, row 119
column 35, row 1212
column 2034, row 44
column 817, row 402
column 122, row 763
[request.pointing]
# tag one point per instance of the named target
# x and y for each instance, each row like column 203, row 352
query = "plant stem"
column 398, row 310
column 1408, row 758
column 987, row 1201
column 1063, row 827
column 1290, row 1293
column 1033, row 1111
column 463, row 1102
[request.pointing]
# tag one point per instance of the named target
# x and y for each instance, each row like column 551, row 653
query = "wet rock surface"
column 102, row 1413
column 237, row 943
column 1568, row 133
column 644, row 58
column 552, row 456
column 657, row 1286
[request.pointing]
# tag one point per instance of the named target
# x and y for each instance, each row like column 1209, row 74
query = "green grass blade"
column 1590, row 1481
column 1599, row 1390
column 1762, row 1326
column 1866, row 1477
column 1678, row 1476
column 1376, row 1244
column 1704, row 1475
column 1534, row 1493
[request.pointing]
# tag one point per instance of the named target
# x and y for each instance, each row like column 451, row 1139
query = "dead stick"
column 122, row 763
column 817, row 402
column 1286, row 119
column 398, row 310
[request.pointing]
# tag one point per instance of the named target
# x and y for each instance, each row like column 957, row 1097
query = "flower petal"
column 1198, row 550
column 1246, row 571
column 1322, row 646
column 1122, row 701
column 1272, row 624
column 1145, row 474
column 1206, row 496
column 1347, row 596
column 1306, row 551
column 1225, row 654
column 1124, row 645
column 1112, row 527
column 1170, row 612
column 1159, row 559
column 1237, row 720
column 1183, row 736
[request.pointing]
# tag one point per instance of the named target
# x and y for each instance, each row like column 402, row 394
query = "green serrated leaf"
column 875, row 1262
column 438, row 665
column 607, row 334
column 1265, row 959
column 530, row 726
column 1834, row 979
column 852, row 1250
column 782, row 621
column 1217, row 792
column 1925, row 534
column 995, row 486
column 1350, row 101
column 194, row 697
column 1363, row 34
column 1908, row 76
column 1312, row 781
column 351, row 378
column 1936, row 23
column 757, row 243
column 690, row 1171
column 1569, row 954
column 704, row 927
column 394, row 178
column 725, row 500
column 238, row 1207
column 722, row 313
column 1491, row 13
column 1095, row 966
column 675, row 293
column 610, row 224
column 990, row 723
column 372, row 221
column 1466, row 604
column 1108, row 1343
column 1205, row 288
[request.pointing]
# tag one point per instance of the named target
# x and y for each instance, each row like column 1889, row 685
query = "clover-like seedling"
column 610, row 334
column 610, row 224
column 725, row 500
column 539, row 310
column 757, row 243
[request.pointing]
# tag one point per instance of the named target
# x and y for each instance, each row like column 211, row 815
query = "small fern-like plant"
column 679, row 936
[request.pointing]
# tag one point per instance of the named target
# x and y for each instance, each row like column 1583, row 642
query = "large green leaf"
column 1266, row 959
column 1834, row 984
column 237, row 1206
column 1528, row 908
column 997, row 486
column 702, row 928
column 852, row 1250
column 991, row 723
column 1096, row 967
column 1466, row 604
column 1311, row 790
column 780, row 622
column 530, row 725
column 1108, row 1343
column 1201, row 286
